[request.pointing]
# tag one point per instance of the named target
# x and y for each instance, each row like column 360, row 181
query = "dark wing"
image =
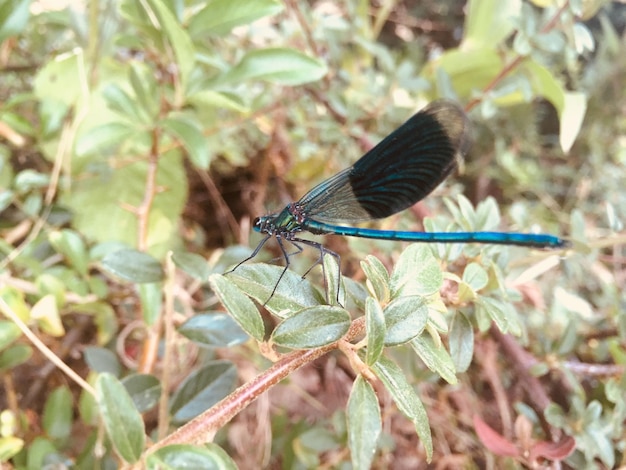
column 401, row 170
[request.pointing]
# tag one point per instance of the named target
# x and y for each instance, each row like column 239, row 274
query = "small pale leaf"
column 312, row 327
column 364, row 423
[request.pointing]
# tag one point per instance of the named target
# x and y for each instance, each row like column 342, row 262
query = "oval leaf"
column 203, row 389
column 312, row 327
column 282, row 66
column 405, row 399
column 193, row 264
column 134, row 266
column 292, row 293
column 144, row 390
column 213, row 330
column 58, row 413
column 461, row 339
column 435, row 357
column 102, row 360
column 209, row 456
column 121, row 419
column 364, row 423
column 475, row 276
column 105, row 136
column 502, row 313
column 69, row 244
column 9, row 332
column 405, row 318
column 238, row 305
column 221, row 16
column 15, row 355
column 417, row 272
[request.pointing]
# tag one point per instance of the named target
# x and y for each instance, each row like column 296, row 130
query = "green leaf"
column 120, row 101
column 18, row 123
column 14, row 16
column 312, row 327
column 57, row 413
column 203, row 389
column 15, row 300
column 282, row 66
column 141, row 78
column 6, row 198
column 475, row 276
column 177, row 37
column 405, row 318
column 188, row 131
column 10, row 447
column 467, row 212
column 121, row 419
column 417, row 272
column 46, row 314
column 220, row 16
column 102, row 360
column 216, row 330
column 292, row 292
column 144, row 390
column 406, row 400
column 461, row 340
column 469, row 70
column 364, row 423
column 502, row 313
column 71, row 245
column 487, row 215
column 489, row 22
column 435, row 357
column 377, row 276
column 59, row 80
column 134, row 266
column 28, row 180
column 181, row 456
column 238, row 305
column 545, row 84
column 204, row 99
column 375, row 329
column 193, row 264
column 103, row 137
column 9, row 332
column 51, row 284
column 14, row 356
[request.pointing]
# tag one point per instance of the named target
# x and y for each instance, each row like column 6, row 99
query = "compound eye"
column 257, row 221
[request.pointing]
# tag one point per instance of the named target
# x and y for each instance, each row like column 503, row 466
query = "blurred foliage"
column 137, row 139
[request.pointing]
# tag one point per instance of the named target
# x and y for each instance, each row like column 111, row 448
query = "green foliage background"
column 137, row 139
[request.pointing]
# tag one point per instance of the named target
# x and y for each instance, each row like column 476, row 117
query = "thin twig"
column 143, row 210
column 168, row 325
column 151, row 341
